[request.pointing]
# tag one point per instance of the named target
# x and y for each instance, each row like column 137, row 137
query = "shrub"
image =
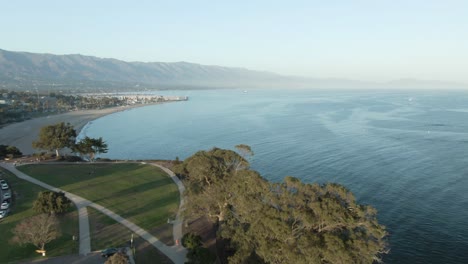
column 72, row 158
column 200, row 255
column 9, row 151
column 191, row 241
column 118, row 258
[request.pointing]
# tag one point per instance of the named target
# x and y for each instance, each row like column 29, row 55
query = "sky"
column 374, row 40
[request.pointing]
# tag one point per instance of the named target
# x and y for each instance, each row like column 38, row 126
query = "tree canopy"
column 51, row 202
column 89, row 147
column 287, row 222
column 56, row 137
column 209, row 175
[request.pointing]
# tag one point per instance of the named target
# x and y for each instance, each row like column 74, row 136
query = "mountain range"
column 79, row 73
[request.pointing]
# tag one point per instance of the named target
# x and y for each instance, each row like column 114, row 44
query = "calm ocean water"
column 405, row 153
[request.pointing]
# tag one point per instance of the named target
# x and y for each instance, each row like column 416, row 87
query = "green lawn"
column 141, row 193
column 106, row 232
column 24, row 193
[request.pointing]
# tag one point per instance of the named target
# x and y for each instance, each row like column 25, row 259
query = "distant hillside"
column 78, row 73
column 42, row 70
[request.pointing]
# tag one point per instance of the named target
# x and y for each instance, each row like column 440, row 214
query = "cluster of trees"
column 44, row 227
column 69, row 102
column 23, row 105
column 63, row 135
column 9, row 152
column 287, row 222
column 18, row 107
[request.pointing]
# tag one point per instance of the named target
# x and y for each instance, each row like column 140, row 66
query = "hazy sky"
column 366, row 40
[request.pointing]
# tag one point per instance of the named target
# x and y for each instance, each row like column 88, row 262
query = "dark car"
column 108, row 252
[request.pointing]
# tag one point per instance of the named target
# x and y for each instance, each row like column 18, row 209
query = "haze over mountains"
column 78, row 73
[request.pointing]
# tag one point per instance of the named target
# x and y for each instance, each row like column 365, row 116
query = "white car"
column 7, row 195
column 3, row 213
column 5, row 205
column 4, row 184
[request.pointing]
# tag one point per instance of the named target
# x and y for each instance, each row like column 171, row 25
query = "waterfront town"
column 17, row 106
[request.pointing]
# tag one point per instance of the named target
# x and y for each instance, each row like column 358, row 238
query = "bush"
column 72, row 158
column 118, row 258
column 9, row 151
column 200, row 255
column 104, row 160
column 191, row 241
column 43, row 155
column 176, row 161
column 196, row 253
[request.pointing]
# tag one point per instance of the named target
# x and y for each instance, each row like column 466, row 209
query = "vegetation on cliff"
column 287, row 222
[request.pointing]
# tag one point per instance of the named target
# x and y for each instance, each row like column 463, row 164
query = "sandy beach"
column 24, row 133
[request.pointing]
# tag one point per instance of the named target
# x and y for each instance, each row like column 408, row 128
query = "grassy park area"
column 24, row 193
column 106, row 232
column 142, row 193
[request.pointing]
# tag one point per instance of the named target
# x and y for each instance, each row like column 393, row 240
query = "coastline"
column 22, row 134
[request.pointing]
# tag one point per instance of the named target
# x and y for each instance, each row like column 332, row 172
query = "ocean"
column 403, row 152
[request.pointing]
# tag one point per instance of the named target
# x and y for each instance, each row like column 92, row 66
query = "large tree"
column 51, row 202
column 37, row 230
column 56, row 137
column 89, row 147
column 296, row 222
column 288, row 222
column 245, row 152
column 209, row 174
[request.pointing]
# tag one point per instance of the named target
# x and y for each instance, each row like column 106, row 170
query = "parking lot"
column 5, row 198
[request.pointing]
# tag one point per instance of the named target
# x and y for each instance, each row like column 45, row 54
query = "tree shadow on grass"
column 140, row 188
column 162, row 202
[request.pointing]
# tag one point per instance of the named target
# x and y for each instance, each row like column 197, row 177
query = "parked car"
column 108, row 252
column 5, row 205
column 3, row 184
column 7, row 195
column 3, row 213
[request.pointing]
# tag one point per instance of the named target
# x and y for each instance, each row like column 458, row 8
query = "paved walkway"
column 176, row 253
column 81, row 203
column 177, row 224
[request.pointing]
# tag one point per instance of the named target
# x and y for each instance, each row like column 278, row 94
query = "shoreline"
column 22, row 134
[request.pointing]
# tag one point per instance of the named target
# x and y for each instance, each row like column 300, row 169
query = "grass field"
column 106, row 232
column 144, row 194
column 24, row 193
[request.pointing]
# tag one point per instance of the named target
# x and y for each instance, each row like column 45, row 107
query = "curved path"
column 177, row 223
column 176, row 253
